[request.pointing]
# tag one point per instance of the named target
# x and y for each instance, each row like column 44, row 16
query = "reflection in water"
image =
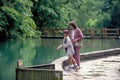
column 28, row 51
column 99, row 44
column 34, row 52
column 47, row 52
column 11, row 51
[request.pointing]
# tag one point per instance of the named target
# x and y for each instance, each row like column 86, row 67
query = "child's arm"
column 65, row 45
column 59, row 47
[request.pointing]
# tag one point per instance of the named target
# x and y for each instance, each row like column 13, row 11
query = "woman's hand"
column 75, row 40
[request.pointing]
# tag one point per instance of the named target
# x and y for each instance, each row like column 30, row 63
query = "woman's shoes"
column 72, row 68
column 78, row 67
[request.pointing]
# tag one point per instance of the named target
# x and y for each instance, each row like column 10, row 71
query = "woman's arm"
column 80, row 35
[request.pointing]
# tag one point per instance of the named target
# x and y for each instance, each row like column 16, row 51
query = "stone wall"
column 99, row 54
column 62, row 62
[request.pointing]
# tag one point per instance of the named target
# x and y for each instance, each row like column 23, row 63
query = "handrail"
column 88, row 32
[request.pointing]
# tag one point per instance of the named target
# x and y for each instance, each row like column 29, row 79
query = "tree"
column 46, row 13
column 19, row 18
column 16, row 21
column 115, row 15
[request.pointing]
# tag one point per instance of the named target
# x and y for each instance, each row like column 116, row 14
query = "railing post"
column 92, row 33
column 87, row 31
column 118, row 32
column 105, row 32
column 19, row 63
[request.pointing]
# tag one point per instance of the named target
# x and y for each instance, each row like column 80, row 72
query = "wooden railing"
column 87, row 32
column 101, row 33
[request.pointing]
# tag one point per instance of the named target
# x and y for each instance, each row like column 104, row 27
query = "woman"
column 75, row 36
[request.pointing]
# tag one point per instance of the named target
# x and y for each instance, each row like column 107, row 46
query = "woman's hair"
column 73, row 24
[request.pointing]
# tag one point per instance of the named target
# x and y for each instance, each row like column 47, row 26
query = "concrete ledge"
column 61, row 62
column 99, row 54
column 87, row 56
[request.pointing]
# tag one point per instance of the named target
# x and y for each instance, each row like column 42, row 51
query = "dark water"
column 35, row 52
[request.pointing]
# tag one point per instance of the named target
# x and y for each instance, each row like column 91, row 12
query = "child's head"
column 66, row 33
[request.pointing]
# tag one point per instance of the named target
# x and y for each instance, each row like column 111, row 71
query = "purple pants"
column 76, row 56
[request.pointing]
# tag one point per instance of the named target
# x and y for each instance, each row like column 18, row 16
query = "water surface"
column 35, row 52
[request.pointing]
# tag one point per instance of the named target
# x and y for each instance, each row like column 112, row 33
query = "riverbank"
column 101, row 68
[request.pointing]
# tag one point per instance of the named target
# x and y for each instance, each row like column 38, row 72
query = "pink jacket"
column 78, row 35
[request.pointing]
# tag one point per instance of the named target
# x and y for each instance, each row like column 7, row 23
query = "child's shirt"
column 67, row 45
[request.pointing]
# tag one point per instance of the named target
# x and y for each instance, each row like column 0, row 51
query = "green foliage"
column 46, row 13
column 87, row 13
column 16, row 21
column 18, row 18
column 3, row 21
column 115, row 14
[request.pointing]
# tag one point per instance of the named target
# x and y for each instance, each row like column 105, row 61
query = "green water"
column 35, row 52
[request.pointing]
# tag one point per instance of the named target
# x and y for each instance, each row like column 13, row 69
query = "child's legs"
column 72, row 60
